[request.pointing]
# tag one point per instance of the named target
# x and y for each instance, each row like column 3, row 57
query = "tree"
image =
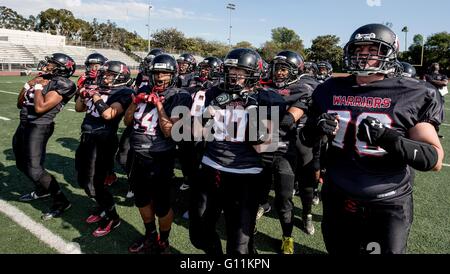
column 282, row 39
column 269, row 50
column 57, row 22
column 169, row 39
column 326, row 48
column 244, row 44
column 9, row 19
column 436, row 49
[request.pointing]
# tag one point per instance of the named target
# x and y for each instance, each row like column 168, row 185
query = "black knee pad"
column 162, row 208
column 141, row 199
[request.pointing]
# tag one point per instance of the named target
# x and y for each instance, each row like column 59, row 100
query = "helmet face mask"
column 210, row 69
column 94, row 61
column 325, row 70
column 242, row 70
column 114, row 74
column 58, row 64
column 160, row 66
column 283, row 73
column 372, row 49
column 186, row 63
column 286, row 60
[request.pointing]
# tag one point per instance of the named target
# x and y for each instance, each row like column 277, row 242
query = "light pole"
column 405, row 30
column 148, row 25
column 231, row 7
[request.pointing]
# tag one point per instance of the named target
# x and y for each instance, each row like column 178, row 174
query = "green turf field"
column 430, row 231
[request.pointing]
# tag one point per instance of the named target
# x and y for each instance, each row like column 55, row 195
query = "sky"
column 253, row 19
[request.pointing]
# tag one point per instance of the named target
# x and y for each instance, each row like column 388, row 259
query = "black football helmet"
column 65, row 65
column 408, row 70
column 372, row 34
column 290, row 60
column 164, row 63
column 214, row 67
column 246, row 59
column 311, row 69
column 325, row 70
column 145, row 63
column 190, row 60
column 95, row 58
column 119, row 69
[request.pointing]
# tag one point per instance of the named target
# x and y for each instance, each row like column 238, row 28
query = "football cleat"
column 106, row 226
column 263, row 209
column 287, row 245
column 56, row 210
column 33, row 196
column 110, row 179
column 308, row 224
column 96, row 216
column 184, row 187
column 145, row 244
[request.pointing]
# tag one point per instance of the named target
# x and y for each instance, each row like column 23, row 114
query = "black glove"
column 372, row 131
column 288, row 122
column 326, row 123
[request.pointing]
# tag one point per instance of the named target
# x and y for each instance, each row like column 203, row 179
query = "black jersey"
column 93, row 122
column 63, row 86
column 361, row 170
column 184, row 79
column 147, row 136
column 236, row 154
column 435, row 77
column 141, row 81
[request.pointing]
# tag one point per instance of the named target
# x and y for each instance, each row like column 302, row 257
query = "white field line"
column 38, row 230
column 4, row 118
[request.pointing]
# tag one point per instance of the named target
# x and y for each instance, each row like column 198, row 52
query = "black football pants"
column 29, row 146
column 92, row 162
column 237, row 195
column 353, row 227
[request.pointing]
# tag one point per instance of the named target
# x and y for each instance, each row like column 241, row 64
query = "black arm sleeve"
column 418, row 155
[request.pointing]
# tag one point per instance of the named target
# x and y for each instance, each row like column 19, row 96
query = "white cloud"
column 105, row 9
column 374, row 3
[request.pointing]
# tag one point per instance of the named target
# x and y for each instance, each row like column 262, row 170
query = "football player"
column 440, row 81
column 380, row 129
column 231, row 166
column 40, row 100
column 142, row 77
column 123, row 156
column 325, row 71
column 311, row 69
column 105, row 106
column 187, row 66
column 208, row 75
column 152, row 165
column 93, row 63
column 288, row 80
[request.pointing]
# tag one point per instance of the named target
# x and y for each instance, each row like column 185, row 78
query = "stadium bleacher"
column 24, row 48
column 12, row 53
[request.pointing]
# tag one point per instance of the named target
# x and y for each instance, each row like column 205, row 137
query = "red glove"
column 84, row 94
column 81, row 81
column 93, row 74
column 140, row 98
column 155, row 99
